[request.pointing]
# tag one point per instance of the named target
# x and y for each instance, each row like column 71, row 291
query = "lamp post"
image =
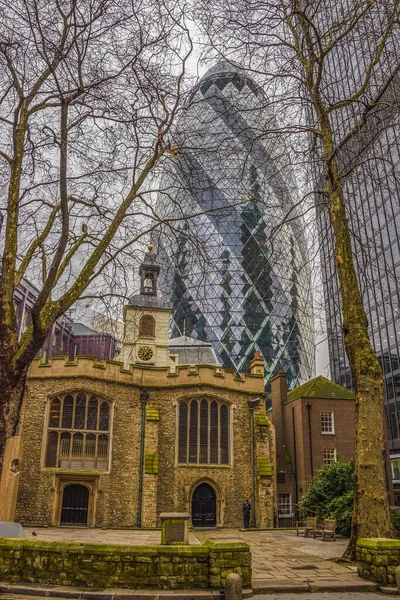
column 252, row 405
column 144, row 396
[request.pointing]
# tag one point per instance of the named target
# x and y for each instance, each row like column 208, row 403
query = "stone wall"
column 167, row 486
column 378, row 558
column 106, row 566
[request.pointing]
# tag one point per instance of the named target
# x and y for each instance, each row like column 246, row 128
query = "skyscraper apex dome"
column 232, row 283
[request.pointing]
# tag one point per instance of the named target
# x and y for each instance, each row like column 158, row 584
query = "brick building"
column 314, row 424
column 114, row 444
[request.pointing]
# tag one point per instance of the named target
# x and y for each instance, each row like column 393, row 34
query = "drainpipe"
column 252, row 404
column 296, row 491
column 144, row 396
column 308, row 406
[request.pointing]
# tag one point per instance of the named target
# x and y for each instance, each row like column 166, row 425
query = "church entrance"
column 204, row 506
column 75, row 504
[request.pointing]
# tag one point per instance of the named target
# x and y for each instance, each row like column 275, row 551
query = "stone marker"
column 233, row 587
column 11, row 530
column 175, row 528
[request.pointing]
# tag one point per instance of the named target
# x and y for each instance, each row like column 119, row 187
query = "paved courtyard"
column 281, row 560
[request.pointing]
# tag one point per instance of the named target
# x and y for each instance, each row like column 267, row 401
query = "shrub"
column 341, row 509
column 395, row 516
column 329, row 482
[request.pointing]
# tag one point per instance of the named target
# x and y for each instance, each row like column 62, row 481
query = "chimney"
column 257, row 364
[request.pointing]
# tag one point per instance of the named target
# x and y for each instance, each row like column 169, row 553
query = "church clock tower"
column 146, row 319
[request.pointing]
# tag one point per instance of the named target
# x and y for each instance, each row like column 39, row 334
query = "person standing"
column 246, row 514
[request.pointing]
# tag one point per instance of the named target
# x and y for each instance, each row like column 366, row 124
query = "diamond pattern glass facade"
column 370, row 161
column 238, row 272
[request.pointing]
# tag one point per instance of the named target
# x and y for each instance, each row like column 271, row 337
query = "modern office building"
column 238, row 267
column 65, row 337
column 370, row 162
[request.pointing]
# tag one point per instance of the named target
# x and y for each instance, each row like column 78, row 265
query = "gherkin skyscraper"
column 235, row 266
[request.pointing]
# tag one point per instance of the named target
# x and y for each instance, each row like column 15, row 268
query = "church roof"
column 191, row 351
column 185, row 340
column 320, row 387
column 148, row 301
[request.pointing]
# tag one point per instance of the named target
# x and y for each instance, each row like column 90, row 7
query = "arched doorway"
column 75, row 504
column 204, row 506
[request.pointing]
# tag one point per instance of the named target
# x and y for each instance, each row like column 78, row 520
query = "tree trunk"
column 12, row 393
column 371, row 517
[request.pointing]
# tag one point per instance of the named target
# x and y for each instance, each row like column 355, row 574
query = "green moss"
column 320, row 387
column 261, row 420
column 377, row 543
column 152, row 414
column 151, row 463
column 265, row 468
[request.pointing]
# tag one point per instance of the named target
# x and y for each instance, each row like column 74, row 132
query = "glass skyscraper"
column 370, row 162
column 238, row 267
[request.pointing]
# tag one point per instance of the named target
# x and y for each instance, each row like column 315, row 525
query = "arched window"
column 203, row 432
column 147, row 326
column 78, row 429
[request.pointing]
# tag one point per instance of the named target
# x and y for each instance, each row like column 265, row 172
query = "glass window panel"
column 77, row 444
column 214, row 433
column 193, row 431
column 90, row 444
column 224, row 435
column 68, row 407
column 203, row 431
column 182, row 443
column 92, row 414
column 55, row 410
column 80, row 410
column 284, row 504
column 52, row 444
column 103, row 445
column 104, row 416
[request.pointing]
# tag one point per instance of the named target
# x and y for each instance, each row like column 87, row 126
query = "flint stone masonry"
column 168, row 486
column 378, row 559
column 117, row 566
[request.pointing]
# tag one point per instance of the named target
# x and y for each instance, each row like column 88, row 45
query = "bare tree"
column 90, row 89
column 332, row 68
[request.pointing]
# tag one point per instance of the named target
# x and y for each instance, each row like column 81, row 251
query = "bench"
column 325, row 528
column 309, row 525
column 329, row 529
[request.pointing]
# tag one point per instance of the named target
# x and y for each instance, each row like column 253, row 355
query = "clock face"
column 145, row 353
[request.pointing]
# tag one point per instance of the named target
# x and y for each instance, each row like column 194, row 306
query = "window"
column 329, row 456
column 284, row 505
column 395, row 462
column 327, row 425
column 78, row 432
column 203, row 432
column 147, row 326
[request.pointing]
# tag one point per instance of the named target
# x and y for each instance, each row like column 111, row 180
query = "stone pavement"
column 135, row 537
column 281, row 561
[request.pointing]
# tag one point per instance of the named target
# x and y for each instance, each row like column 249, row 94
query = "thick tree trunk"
column 371, row 517
column 12, row 385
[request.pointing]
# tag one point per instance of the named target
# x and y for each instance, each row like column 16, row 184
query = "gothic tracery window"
column 78, row 432
column 203, row 432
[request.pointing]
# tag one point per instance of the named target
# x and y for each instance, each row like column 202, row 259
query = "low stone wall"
column 378, row 558
column 117, row 566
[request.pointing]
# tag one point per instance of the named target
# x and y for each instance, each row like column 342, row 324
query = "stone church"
column 166, row 429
